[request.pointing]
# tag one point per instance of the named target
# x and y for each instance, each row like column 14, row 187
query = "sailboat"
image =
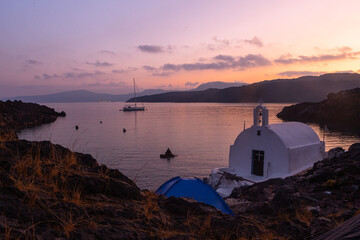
column 134, row 107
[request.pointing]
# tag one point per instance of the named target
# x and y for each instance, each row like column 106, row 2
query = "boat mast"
column 134, row 91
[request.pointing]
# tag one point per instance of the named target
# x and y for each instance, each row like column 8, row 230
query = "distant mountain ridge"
column 88, row 96
column 302, row 89
column 82, row 96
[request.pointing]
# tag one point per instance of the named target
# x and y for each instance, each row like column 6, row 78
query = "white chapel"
column 266, row 150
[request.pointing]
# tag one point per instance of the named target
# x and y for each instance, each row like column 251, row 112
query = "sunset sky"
column 47, row 46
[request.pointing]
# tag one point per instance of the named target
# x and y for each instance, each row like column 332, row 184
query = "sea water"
column 200, row 134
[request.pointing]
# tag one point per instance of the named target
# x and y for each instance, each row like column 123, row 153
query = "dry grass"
column 166, row 231
column 7, row 135
column 69, row 225
column 73, row 195
column 7, row 232
column 150, row 207
column 330, row 183
column 104, row 173
column 304, row 216
column 70, row 160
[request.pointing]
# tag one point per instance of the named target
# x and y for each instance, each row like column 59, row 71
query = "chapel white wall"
column 305, row 156
column 276, row 160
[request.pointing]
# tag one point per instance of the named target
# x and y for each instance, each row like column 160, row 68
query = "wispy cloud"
column 299, row 73
column 218, row 44
column 32, row 62
column 191, row 84
column 69, row 75
column 100, row 64
column 107, row 52
column 254, row 41
column 49, row 76
column 107, row 85
column 288, row 59
column 82, row 74
column 129, row 69
column 149, row 68
column 345, row 71
column 308, row 73
column 162, row 74
column 151, row 48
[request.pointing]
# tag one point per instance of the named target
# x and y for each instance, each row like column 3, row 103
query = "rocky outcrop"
column 339, row 111
column 17, row 115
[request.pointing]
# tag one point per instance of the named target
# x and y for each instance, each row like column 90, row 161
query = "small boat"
column 134, row 107
column 168, row 154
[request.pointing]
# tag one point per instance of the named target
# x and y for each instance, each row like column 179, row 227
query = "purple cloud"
column 129, row 69
column 32, row 62
column 254, row 41
column 299, row 73
column 49, row 76
column 162, row 74
column 318, row 58
column 107, row 52
column 191, row 84
column 100, row 64
column 345, row 71
column 151, row 48
column 218, row 44
column 72, row 75
column 149, row 68
column 107, row 85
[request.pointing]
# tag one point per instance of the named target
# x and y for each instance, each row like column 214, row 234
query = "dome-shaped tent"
column 196, row 189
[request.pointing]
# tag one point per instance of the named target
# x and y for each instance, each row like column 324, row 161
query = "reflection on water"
column 199, row 133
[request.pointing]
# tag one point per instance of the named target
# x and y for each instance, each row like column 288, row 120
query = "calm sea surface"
column 199, row 133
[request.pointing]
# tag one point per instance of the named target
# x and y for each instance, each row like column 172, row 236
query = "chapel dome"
column 294, row 134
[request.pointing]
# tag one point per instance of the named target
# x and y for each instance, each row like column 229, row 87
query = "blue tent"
column 196, row 189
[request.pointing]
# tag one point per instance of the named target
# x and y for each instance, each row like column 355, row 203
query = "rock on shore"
column 339, row 111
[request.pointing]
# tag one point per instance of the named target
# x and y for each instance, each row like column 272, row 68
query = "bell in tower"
column 261, row 116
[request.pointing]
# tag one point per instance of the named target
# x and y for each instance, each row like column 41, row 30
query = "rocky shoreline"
column 49, row 192
column 340, row 111
column 17, row 115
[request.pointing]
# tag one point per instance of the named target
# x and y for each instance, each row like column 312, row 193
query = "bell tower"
column 261, row 116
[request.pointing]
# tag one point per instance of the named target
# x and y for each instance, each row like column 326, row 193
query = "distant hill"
column 218, row 85
column 81, row 96
column 302, row 89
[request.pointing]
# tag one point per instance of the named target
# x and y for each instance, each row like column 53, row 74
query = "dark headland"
column 49, row 192
column 340, row 111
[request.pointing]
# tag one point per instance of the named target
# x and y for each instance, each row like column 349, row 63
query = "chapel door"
column 257, row 163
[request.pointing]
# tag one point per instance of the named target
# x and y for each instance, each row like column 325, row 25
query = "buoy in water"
column 100, row 121
column 77, row 127
column 124, row 130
